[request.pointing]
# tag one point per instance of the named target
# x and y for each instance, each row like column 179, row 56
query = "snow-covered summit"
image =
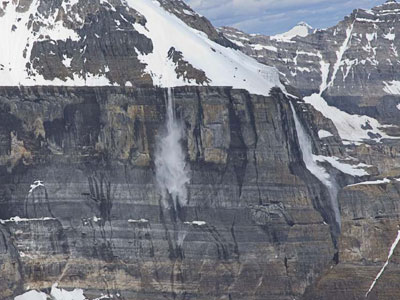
column 121, row 42
column 390, row 2
column 302, row 29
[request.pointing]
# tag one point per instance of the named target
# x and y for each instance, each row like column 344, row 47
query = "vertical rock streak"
column 311, row 163
column 171, row 171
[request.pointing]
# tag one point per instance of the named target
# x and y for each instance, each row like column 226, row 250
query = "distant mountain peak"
column 302, row 29
column 304, row 24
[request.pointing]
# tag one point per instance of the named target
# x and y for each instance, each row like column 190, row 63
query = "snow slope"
column 350, row 127
column 15, row 55
column 222, row 66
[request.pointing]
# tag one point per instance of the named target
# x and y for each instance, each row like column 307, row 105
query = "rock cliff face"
column 255, row 225
column 286, row 197
column 345, row 72
column 370, row 227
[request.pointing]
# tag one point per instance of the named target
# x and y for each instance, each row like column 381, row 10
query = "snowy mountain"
column 120, row 43
column 302, row 30
column 348, row 72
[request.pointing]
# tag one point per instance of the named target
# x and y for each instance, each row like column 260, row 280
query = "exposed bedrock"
column 370, row 225
column 80, row 205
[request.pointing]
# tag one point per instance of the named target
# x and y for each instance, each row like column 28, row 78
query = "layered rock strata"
column 80, row 205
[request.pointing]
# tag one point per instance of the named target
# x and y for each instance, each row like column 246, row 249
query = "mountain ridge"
column 60, row 44
column 353, row 63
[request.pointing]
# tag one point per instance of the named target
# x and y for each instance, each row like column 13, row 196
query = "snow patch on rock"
column 35, row 185
column 55, row 294
column 32, row 295
column 196, row 223
column 350, row 127
column 353, row 170
column 140, row 221
column 264, row 47
column 18, row 220
column 375, row 182
column 324, row 134
column 392, row 87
